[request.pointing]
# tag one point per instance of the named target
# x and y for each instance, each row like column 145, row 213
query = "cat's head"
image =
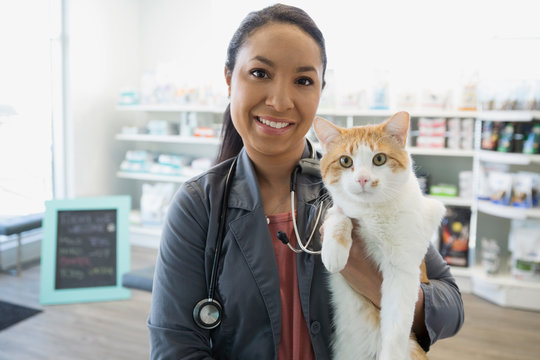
column 365, row 164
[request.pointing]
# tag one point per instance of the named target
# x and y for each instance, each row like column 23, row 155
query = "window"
column 25, row 107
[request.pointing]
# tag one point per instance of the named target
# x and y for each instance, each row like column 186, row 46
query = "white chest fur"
column 396, row 235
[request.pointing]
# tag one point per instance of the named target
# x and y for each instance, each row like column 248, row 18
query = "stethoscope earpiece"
column 207, row 314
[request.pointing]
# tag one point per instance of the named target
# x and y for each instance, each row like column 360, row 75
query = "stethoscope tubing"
column 202, row 319
column 303, row 247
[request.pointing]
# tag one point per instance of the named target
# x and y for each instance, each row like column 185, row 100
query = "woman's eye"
column 379, row 159
column 259, row 73
column 345, row 161
column 304, row 81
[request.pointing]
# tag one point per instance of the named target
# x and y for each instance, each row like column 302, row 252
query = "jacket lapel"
column 308, row 202
column 257, row 251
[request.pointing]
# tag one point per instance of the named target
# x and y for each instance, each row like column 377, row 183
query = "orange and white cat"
column 368, row 173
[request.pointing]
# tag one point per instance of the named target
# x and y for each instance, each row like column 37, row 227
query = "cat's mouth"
column 273, row 123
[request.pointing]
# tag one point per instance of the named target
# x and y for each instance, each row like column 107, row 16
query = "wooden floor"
column 117, row 329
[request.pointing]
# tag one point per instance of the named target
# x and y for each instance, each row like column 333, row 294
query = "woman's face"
column 275, row 89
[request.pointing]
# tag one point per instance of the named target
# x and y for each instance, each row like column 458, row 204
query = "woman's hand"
column 361, row 272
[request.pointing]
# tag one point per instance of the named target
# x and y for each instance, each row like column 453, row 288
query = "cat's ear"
column 326, row 132
column 398, row 126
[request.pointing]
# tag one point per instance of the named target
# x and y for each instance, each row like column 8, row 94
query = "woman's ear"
column 228, row 76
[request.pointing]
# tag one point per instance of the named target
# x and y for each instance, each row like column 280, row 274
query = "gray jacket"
column 248, row 282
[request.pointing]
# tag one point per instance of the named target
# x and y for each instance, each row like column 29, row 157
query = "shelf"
column 510, row 115
column 321, row 112
column 151, row 177
column 503, row 290
column 169, row 139
column 144, row 236
column 441, row 152
column 146, row 230
column 172, row 108
column 463, row 278
column 508, row 158
column 452, row 201
column 390, row 112
column 508, row 212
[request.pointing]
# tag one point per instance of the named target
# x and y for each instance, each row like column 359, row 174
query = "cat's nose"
column 363, row 180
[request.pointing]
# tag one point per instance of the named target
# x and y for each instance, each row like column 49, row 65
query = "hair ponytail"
column 231, row 142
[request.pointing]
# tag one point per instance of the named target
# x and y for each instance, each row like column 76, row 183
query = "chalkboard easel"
column 85, row 250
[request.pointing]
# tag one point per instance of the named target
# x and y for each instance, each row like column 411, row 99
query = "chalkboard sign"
column 85, row 250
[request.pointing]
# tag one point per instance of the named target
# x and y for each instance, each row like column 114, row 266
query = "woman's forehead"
column 282, row 42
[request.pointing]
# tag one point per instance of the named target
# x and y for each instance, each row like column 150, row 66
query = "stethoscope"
column 207, row 313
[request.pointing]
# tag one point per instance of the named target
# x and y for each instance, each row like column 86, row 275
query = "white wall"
column 104, row 48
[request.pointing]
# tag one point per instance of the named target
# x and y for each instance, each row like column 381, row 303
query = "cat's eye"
column 379, row 159
column 345, row 161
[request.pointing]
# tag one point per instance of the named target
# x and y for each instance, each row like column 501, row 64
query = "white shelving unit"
column 351, row 116
column 148, row 235
column 503, row 289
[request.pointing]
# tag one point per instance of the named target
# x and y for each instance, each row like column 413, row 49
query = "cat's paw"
column 337, row 242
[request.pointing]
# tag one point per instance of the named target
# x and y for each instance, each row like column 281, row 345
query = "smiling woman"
column 275, row 89
column 274, row 74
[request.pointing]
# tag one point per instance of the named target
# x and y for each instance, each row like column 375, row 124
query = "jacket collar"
column 245, row 192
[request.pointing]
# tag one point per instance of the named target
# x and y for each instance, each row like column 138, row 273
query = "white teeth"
column 276, row 125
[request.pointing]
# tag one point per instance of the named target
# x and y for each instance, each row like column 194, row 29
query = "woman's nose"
column 280, row 97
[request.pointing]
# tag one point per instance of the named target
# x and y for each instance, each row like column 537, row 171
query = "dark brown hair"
column 231, row 141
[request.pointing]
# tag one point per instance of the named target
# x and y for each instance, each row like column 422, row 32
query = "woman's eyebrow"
column 264, row 60
column 305, row 68
column 270, row 63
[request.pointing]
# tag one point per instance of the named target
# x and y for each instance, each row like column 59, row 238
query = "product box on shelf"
column 524, row 243
column 155, row 201
column 519, row 189
column 511, row 137
column 454, row 236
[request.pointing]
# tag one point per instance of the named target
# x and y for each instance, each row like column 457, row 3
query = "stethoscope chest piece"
column 207, row 314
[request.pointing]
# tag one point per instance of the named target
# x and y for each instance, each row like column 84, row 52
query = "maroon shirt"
column 295, row 341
